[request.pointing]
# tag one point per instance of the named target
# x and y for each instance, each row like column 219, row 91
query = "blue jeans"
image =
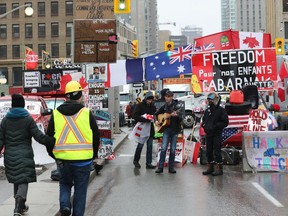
column 77, row 176
column 139, row 148
column 168, row 136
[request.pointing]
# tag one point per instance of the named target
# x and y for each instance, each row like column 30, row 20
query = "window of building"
column 2, row 8
column 29, row 46
column 55, row 50
column 286, row 30
column 15, row 51
column 17, row 76
column 41, row 9
column 15, row 13
column 68, row 50
column 3, row 31
column 54, row 8
column 69, row 26
column 4, row 73
column 28, row 30
column 69, row 8
column 285, row 5
column 41, row 30
column 41, row 47
column 15, row 31
column 26, row 3
column 54, row 29
column 3, row 51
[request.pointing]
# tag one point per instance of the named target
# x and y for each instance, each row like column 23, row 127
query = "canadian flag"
column 31, row 59
column 231, row 39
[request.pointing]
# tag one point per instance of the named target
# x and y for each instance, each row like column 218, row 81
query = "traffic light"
column 169, row 45
column 135, row 48
column 121, row 6
column 279, row 46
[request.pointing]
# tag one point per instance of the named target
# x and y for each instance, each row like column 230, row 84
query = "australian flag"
column 169, row 64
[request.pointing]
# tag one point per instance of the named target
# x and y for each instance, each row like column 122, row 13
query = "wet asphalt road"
column 122, row 190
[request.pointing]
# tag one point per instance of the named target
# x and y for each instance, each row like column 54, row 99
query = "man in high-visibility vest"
column 77, row 141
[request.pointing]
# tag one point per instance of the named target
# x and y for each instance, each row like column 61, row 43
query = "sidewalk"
column 43, row 195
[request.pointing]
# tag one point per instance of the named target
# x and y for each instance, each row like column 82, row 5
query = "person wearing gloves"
column 77, row 141
column 215, row 119
column 142, row 113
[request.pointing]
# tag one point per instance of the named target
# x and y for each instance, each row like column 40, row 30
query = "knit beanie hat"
column 74, row 95
column 18, row 101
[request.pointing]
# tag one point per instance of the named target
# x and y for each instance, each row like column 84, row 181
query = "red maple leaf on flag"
column 67, row 78
column 63, row 81
column 251, row 42
column 83, row 82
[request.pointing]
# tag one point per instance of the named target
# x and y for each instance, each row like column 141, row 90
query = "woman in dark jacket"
column 16, row 132
column 145, row 107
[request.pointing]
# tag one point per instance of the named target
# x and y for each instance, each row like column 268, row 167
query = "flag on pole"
column 31, row 59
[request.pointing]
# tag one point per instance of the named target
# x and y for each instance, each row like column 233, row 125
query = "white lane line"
column 267, row 195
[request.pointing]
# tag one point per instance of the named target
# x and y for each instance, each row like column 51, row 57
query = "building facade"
column 49, row 29
column 192, row 32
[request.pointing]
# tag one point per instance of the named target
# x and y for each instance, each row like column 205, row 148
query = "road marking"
column 267, row 195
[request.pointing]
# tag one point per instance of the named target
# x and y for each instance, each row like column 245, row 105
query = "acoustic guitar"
column 163, row 122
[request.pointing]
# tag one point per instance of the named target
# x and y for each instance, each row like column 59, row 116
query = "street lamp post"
column 28, row 10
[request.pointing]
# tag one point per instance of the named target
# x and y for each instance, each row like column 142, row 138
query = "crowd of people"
column 73, row 139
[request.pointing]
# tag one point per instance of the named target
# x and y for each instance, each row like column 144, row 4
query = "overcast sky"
column 198, row 13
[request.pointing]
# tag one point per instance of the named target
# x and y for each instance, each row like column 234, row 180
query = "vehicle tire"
column 238, row 109
column 188, row 119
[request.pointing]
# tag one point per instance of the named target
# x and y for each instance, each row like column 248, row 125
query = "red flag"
column 282, row 75
column 232, row 40
column 31, row 59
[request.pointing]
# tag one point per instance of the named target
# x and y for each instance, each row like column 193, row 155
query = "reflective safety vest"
column 73, row 136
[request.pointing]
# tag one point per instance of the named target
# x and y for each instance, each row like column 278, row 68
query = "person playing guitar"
column 169, row 120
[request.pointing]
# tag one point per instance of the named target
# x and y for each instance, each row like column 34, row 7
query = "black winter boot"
column 25, row 207
column 19, row 206
column 209, row 170
column 218, row 171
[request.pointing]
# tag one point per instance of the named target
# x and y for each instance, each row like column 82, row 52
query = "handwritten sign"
column 100, row 9
column 267, row 150
column 32, row 79
column 102, row 115
column 104, row 125
column 258, row 120
column 91, row 41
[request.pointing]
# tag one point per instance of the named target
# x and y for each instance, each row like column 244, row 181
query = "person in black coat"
column 145, row 107
column 173, row 109
column 16, row 132
column 215, row 119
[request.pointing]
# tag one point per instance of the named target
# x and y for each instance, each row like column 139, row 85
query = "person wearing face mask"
column 215, row 119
